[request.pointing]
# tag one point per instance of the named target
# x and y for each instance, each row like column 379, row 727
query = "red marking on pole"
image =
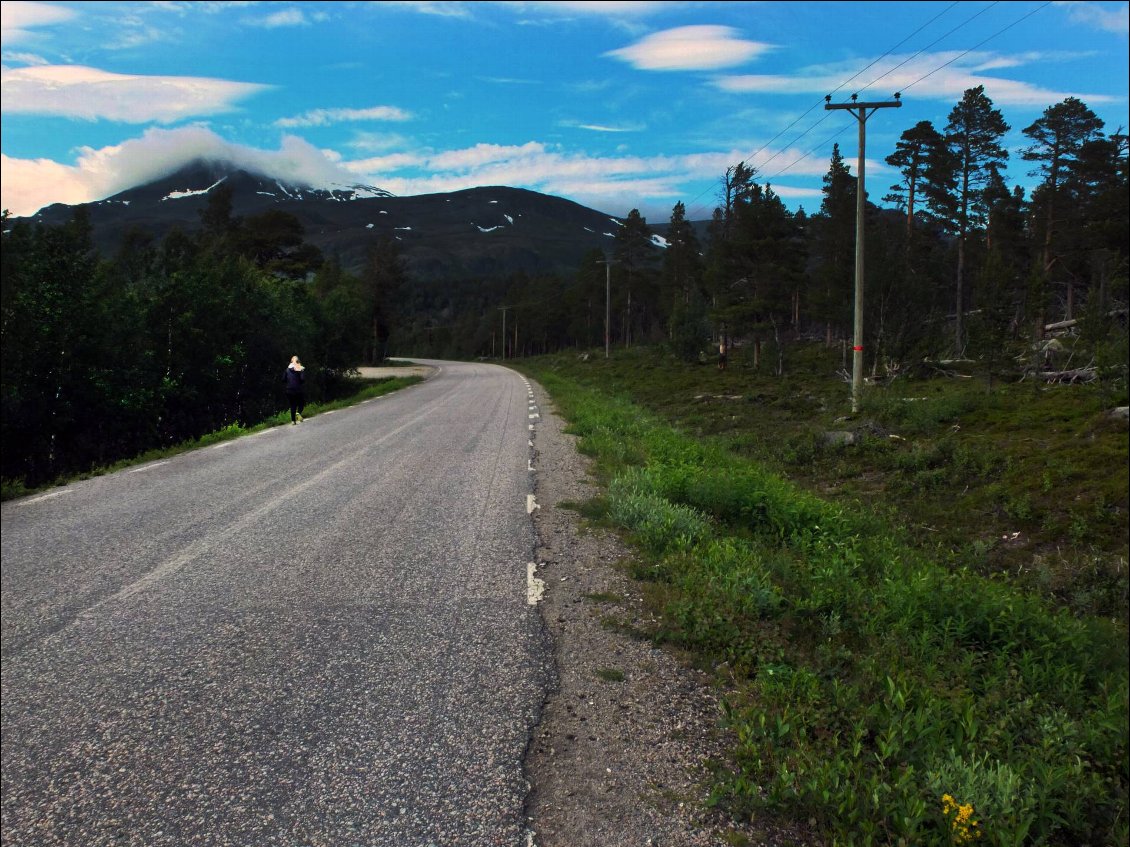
column 859, row 349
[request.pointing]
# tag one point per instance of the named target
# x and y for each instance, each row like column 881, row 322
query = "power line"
column 843, row 84
column 975, row 46
column 966, row 22
column 931, row 73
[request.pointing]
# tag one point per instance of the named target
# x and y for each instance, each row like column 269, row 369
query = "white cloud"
column 75, row 91
column 326, row 117
column 17, row 18
column 615, row 183
column 27, row 185
column 690, row 48
column 936, row 76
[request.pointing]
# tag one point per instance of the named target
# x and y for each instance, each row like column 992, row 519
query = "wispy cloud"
column 936, row 76
column 614, row 183
column 592, row 127
column 18, row 19
column 24, row 58
column 690, row 48
column 1100, row 17
column 592, row 8
column 283, row 17
column 375, row 142
column 75, row 91
column 328, row 117
column 606, row 182
column 437, row 8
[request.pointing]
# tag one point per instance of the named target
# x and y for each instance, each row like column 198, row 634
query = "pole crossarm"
column 885, row 104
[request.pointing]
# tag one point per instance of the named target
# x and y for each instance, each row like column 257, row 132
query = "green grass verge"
column 11, row 489
column 887, row 696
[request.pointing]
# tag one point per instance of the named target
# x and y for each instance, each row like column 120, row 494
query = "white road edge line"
column 43, row 497
column 148, row 467
column 531, row 504
column 535, row 587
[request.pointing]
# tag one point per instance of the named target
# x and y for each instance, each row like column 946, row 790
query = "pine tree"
column 835, row 247
column 634, row 253
column 973, row 137
column 682, row 276
column 1059, row 137
column 916, row 156
column 382, row 279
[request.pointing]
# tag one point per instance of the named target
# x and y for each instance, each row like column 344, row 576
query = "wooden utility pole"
column 503, row 310
column 607, row 302
column 861, row 111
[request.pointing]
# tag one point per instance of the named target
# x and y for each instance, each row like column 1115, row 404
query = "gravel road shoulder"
column 621, row 754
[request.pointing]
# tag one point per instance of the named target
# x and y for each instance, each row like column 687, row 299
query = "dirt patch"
column 621, row 755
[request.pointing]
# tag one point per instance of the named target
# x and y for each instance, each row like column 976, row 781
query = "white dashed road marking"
column 148, row 467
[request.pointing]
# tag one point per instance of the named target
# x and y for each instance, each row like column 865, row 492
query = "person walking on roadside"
column 295, row 379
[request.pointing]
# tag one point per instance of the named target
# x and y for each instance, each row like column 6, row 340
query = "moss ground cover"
column 881, row 686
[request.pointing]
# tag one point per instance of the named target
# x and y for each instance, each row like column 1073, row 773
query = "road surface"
column 319, row 635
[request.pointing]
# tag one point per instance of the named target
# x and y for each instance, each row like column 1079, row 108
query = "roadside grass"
column 367, row 389
column 1026, row 483
column 877, row 686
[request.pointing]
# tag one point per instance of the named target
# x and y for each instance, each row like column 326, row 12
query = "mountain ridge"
column 473, row 232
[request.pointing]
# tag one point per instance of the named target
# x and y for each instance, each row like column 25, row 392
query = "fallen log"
column 1073, row 375
column 1067, row 324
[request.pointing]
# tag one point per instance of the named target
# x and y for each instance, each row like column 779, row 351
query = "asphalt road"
column 319, row 635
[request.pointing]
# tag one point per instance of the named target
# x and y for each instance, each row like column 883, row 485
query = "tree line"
column 959, row 263
column 105, row 358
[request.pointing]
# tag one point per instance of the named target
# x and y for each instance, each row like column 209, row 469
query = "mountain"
column 477, row 232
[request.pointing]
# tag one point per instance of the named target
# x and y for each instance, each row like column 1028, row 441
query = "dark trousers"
column 297, row 404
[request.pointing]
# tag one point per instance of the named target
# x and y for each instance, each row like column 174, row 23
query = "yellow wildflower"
column 965, row 829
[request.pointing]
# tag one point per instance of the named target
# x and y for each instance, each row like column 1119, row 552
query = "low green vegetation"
column 899, row 667
column 367, row 389
column 610, row 674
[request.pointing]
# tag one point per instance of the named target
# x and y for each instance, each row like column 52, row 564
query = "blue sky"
column 616, row 105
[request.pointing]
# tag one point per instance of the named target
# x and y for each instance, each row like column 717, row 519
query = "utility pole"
column 861, row 111
column 503, row 310
column 607, row 302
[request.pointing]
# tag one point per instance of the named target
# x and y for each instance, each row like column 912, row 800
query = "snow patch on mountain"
column 180, row 195
column 659, row 241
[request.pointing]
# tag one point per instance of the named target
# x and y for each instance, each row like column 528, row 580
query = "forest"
column 959, row 263
column 107, row 356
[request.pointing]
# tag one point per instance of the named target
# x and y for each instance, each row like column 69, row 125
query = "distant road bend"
column 318, row 635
